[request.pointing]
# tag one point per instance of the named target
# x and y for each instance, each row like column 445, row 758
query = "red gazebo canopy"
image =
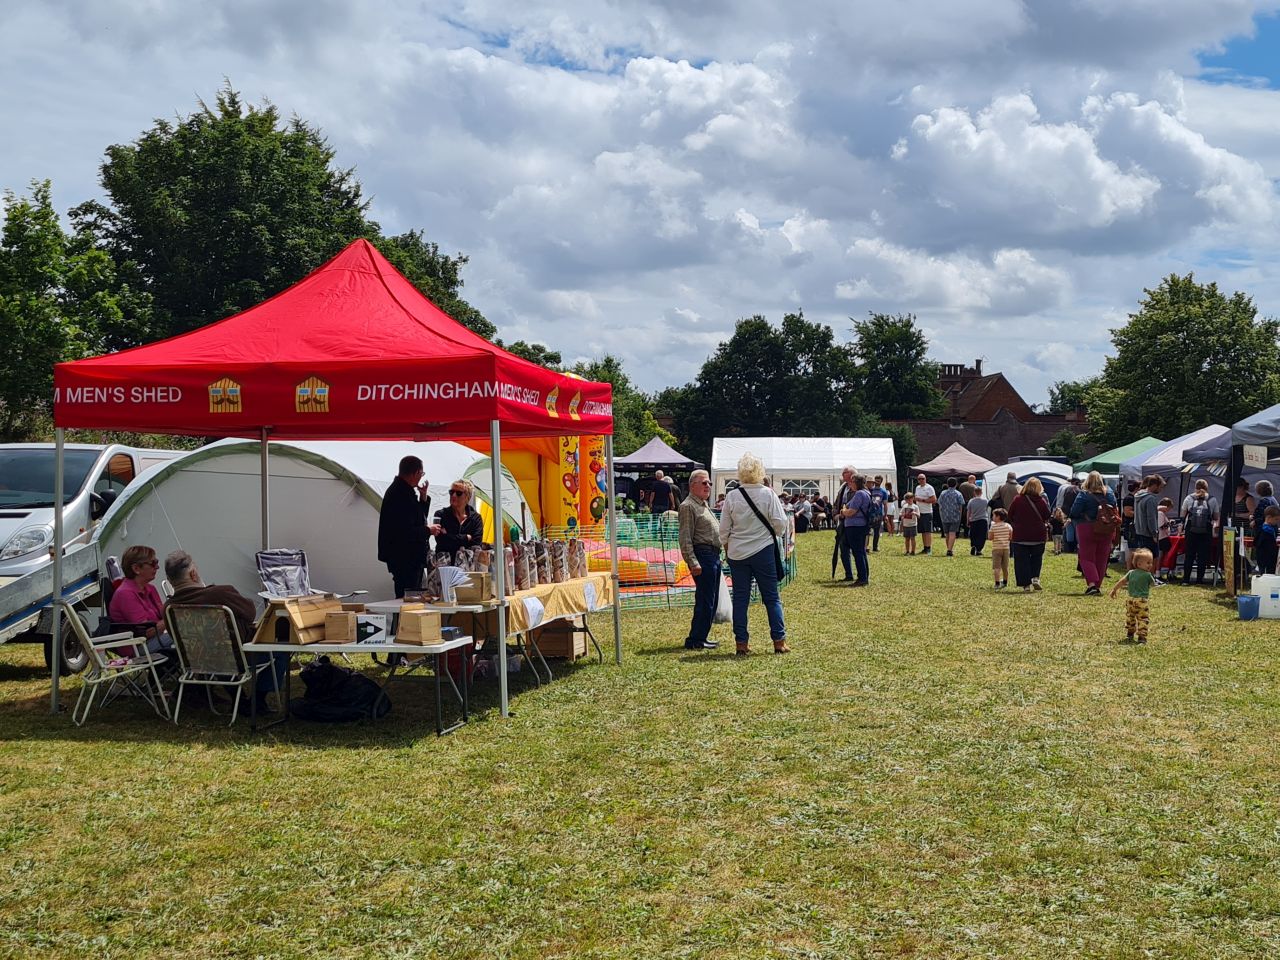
column 353, row 350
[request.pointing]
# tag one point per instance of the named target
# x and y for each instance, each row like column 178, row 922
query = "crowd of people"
column 1017, row 523
column 750, row 525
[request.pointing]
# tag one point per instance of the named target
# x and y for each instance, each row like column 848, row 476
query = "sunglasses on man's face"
column 457, row 493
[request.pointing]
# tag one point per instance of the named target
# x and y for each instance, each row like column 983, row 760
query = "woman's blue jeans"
column 760, row 568
column 857, row 539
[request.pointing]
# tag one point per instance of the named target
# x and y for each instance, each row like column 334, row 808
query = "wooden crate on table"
column 305, row 617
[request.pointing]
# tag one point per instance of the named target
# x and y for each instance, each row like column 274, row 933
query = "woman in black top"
column 459, row 524
column 1242, row 505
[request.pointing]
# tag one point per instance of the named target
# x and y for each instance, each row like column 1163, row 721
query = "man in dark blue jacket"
column 402, row 527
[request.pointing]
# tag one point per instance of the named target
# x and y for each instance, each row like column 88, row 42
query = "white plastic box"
column 1267, row 588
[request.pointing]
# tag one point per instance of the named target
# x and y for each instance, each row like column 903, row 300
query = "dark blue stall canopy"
column 656, row 455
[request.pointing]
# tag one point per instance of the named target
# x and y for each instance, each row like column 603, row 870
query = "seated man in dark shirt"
column 182, row 574
column 459, row 524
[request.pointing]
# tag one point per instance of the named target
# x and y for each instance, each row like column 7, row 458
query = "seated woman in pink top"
column 136, row 602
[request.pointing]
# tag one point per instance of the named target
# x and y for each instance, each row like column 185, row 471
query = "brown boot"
column 780, row 646
column 741, row 649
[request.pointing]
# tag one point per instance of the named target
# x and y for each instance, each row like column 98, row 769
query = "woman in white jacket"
column 751, row 519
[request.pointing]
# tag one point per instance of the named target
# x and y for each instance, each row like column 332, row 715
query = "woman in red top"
column 1029, row 516
column 136, row 603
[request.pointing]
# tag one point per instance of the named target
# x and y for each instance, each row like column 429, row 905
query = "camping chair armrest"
column 139, row 629
column 113, row 640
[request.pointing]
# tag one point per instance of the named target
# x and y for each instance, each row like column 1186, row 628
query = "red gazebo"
column 352, row 351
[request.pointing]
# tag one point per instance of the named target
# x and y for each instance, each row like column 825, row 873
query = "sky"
column 632, row 178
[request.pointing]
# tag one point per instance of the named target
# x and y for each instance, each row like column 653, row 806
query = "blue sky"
column 1248, row 58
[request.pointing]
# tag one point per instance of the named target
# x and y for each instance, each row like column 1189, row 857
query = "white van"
column 93, row 476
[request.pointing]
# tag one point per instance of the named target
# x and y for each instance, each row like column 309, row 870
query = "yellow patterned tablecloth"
column 554, row 601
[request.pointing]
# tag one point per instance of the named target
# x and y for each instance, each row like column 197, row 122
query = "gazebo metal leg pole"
column 55, row 641
column 613, row 549
column 266, row 494
column 499, row 566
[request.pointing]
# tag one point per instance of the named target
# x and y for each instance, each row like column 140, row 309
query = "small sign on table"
column 371, row 629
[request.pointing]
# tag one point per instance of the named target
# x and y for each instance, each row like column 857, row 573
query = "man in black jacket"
column 402, row 527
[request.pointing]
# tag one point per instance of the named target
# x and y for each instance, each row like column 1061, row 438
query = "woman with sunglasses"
column 459, row 524
column 136, row 603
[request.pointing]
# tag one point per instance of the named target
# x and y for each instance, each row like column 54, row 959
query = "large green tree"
column 899, row 382
column 1066, row 396
column 793, row 380
column 1065, row 443
column 220, row 210
column 538, row 353
column 60, row 299
column 1190, row 356
column 906, row 450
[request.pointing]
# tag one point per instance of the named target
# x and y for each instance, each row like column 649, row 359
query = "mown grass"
column 937, row 771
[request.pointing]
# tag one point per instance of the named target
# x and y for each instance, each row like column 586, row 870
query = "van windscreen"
column 26, row 475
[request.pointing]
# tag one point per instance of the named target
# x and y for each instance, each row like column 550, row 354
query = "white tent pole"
column 266, row 495
column 55, row 642
column 500, row 564
column 613, row 549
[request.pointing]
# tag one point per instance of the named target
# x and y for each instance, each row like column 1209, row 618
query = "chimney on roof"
column 977, row 366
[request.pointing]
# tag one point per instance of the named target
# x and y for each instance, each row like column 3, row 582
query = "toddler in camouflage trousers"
column 1137, row 611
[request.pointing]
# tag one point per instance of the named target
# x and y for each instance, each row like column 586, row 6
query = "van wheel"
column 74, row 657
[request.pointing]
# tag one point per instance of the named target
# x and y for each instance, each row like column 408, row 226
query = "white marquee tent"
column 325, row 498
column 803, row 461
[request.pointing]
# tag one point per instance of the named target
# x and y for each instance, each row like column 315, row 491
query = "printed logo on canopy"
column 311, row 396
column 225, row 397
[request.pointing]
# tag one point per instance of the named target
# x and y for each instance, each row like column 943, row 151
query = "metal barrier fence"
column 651, row 571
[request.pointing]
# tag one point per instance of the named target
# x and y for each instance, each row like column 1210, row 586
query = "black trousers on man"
column 406, row 578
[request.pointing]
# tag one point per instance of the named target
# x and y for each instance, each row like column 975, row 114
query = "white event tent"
column 1167, row 460
column 803, row 460
column 197, row 503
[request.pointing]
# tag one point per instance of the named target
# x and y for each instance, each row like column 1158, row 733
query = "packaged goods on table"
column 559, row 551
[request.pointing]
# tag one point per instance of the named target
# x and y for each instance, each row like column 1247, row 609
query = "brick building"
column 988, row 416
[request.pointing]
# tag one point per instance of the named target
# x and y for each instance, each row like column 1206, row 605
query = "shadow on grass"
column 412, row 717
column 721, row 657
column 23, row 671
column 666, row 650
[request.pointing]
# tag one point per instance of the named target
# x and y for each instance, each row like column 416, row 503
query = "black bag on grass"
column 337, row 695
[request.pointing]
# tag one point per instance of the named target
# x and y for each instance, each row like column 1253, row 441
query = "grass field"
column 936, row 771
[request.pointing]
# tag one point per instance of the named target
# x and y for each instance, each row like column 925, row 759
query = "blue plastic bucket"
column 1248, row 606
